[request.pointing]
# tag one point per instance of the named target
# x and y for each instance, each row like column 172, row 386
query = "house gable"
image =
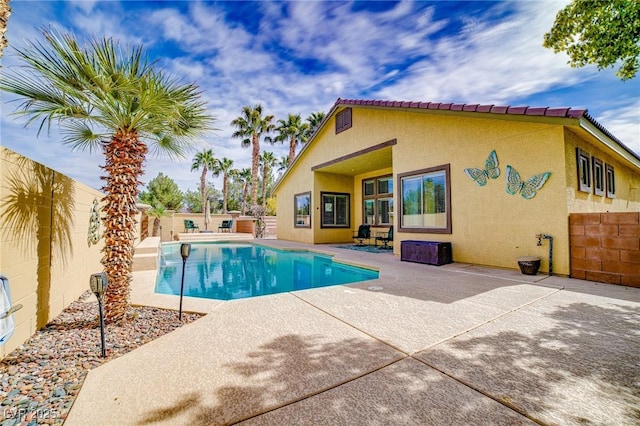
column 491, row 221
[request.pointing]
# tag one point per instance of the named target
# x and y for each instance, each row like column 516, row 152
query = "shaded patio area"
column 456, row 344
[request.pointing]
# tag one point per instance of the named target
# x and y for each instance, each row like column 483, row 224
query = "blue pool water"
column 228, row 271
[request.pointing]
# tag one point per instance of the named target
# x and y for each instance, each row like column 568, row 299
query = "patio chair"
column 226, row 226
column 364, row 233
column 190, row 225
column 385, row 238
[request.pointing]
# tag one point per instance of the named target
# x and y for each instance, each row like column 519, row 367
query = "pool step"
column 149, row 245
column 146, row 255
column 145, row 262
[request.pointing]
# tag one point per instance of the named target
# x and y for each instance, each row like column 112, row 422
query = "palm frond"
column 80, row 135
column 106, row 86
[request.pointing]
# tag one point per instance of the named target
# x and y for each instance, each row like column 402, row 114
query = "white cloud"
column 489, row 61
column 624, row 123
column 307, row 54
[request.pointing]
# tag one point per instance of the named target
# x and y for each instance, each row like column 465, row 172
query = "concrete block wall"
column 44, row 221
column 605, row 247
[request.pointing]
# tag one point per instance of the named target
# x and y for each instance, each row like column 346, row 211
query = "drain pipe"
column 540, row 237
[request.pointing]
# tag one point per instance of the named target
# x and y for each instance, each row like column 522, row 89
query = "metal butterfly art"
column 528, row 188
column 491, row 170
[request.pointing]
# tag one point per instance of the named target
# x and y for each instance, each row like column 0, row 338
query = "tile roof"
column 559, row 112
column 563, row 112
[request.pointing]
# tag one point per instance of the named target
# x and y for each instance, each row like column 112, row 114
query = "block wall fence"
column 605, row 247
column 44, row 250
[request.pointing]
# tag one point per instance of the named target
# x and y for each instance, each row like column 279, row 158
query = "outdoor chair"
column 190, row 225
column 226, row 226
column 364, row 233
column 385, row 238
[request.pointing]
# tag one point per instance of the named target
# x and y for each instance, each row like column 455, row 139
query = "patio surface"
column 455, row 344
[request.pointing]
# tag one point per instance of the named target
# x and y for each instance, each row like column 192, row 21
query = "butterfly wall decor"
column 491, row 170
column 528, row 188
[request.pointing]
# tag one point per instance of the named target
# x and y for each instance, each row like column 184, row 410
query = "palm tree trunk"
column 292, row 149
column 203, row 186
column 264, row 187
column 244, row 198
column 5, row 11
column 156, row 226
column 254, row 169
column 224, row 193
column 125, row 155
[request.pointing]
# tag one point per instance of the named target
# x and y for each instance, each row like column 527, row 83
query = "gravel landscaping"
column 40, row 380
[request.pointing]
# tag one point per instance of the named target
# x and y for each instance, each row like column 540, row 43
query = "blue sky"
column 299, row 57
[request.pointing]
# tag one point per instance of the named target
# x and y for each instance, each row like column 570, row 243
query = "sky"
column 299, row 57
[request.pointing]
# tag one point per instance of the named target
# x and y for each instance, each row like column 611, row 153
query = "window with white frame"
column 598, row 176
column 584, row 170
column 611, row 181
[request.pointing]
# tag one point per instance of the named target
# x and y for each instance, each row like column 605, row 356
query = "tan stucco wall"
column 44, row 220
column 490, row 226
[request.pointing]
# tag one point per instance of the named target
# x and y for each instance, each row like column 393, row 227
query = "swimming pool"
column 227, row 271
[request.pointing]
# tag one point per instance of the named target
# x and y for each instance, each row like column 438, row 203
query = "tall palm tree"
column 314, row 119
column 292, row 130
column 206, row 161
column 251, row 125
column 283, row 164
column 243, row 176
column 267, row 161
column 113, row 100
column 223, row 166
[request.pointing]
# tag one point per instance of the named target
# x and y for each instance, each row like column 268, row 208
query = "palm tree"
column 292, row 130
column 250, row 126
column 206, row 161
column 314, row 119
column 113, row 100
column 283, row 164
column 243, row 176
column 267, row 161
column 157, row 212
column 223, row 166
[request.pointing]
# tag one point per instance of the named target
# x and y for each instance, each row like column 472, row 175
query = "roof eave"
column 596, row 130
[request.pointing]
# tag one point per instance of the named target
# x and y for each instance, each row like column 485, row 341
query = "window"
column 598, row 176
column 425, row 200
column 584, row 170
column 335, row 210
column 377, row 194
column 611, row 181
column 343, row 120
column 302, row 210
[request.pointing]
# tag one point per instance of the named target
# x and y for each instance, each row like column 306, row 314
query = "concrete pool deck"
column 455, row 344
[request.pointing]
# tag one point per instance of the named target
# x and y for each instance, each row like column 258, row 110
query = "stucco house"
column 488, row 179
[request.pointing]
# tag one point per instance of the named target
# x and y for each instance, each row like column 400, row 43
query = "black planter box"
column 429, row 252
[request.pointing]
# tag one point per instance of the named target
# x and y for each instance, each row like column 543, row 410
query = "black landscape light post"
column 185, row 251
column 98, row 284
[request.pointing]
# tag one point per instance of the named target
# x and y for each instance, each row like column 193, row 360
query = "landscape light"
column 98, row 283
